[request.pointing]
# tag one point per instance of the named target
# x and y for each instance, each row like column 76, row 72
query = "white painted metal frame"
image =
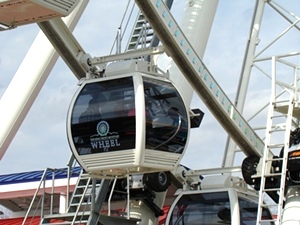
column 185, row 57
column 43, row 55
column 230, row 148
column 253, row 59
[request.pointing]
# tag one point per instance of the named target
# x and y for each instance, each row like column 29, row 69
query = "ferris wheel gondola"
column 128, row 123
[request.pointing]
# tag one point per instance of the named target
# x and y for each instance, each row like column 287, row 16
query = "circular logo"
column 102, row 128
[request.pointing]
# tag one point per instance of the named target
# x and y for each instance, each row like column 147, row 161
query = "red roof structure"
column 18, row 221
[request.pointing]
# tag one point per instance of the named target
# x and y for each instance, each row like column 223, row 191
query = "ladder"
column 273, row 180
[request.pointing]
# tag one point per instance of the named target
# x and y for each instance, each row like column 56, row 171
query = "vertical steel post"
column 229, row 154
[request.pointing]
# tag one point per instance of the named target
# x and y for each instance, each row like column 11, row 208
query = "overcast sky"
column 42, row 142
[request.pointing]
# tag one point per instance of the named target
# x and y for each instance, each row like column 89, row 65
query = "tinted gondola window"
column 166, row 117
column 248, row 213
column 101, row 118
column 206, row 208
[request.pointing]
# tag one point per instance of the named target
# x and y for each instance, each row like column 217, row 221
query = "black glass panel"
column 206, row 208
column 166, row 117
column 248, row 213
column 101, row 118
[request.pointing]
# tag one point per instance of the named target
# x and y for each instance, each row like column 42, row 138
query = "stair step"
column 83, row 204
column 66, row 215
column 275, row 145
column 267, row 175
column 268, row 220
column 135, row 36
column 269, row 205
column 283, row 108
column 271, row 189
column 277, row 130
column 274, row 159
column 80, row 187
column 80, row 195
column 272, row 175
column 82, row 222
column 67, row 218
column 67, row 223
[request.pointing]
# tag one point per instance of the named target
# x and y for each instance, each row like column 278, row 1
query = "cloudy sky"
column 41, row 140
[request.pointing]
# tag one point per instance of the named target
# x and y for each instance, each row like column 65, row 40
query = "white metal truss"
column 187, row 60
column 178, row 47
column 231, row 148
column 254, row 59
column 66, row 45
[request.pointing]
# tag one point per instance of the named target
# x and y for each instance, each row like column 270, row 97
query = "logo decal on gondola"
column 104, row 140
column 102, row 128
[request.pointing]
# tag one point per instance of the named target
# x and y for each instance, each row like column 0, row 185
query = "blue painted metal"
column 32, row 176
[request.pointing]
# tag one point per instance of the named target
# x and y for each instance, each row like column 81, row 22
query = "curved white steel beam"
column 182, row 52
column 28, row 81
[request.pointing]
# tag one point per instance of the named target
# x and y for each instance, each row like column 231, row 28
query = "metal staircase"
column 142, row 35
column 79, row 210
column 86, row 203
column 81, row 198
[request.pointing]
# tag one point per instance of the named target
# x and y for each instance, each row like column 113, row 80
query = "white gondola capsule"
column 221, row 199
column 128, row 124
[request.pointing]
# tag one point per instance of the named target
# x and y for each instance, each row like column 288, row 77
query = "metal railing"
column 47, row 182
